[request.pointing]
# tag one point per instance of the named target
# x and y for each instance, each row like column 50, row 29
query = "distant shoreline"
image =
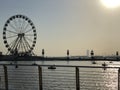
column 40, row 58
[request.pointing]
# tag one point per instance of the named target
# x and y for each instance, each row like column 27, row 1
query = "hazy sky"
column 77, row 25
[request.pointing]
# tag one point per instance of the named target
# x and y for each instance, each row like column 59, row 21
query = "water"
column 62, row 78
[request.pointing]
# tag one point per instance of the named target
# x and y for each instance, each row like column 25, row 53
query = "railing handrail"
column 59, row 65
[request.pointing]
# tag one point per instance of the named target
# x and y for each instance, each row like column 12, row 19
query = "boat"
column 104, row 64
column 93, row 62
column 52, row 67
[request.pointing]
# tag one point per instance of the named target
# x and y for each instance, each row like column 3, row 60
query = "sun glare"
column 111, row 3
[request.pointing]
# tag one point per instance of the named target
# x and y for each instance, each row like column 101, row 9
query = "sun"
column 111, row 3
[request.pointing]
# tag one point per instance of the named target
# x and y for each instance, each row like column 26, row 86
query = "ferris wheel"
column 19, row 35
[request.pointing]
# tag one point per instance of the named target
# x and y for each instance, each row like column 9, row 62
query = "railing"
column 59, row 77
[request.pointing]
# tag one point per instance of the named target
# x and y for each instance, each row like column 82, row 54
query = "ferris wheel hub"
column 21, row 34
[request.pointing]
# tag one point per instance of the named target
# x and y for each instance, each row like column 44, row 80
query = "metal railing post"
column 118, row 79
column 6, row 77
column 40, row 77
column 77, row 79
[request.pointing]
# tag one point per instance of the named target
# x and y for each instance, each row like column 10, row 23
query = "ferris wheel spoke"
column 15, row 22
column 29, row 34
column 29, row 39
column 24, row 46
column 20, row 25
column 12, row 31
column 26, row 27
column 13, row 27
column 12, row 36
column 14, row 44
column 28, row 46
column 18, row 46
column 27, row 43
column 20, row 43
column 28, row 30
column 23, row 25
column 19, row 21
